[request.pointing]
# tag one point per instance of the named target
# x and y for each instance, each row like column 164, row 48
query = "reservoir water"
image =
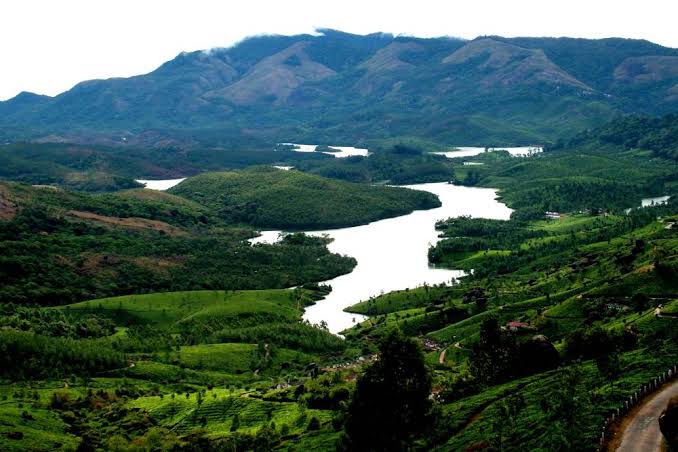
column 392, row 254
column 470, row 151
column 647, row 202
column 165, row 184
column 341, row 151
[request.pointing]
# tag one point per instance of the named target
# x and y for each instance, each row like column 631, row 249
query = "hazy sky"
column 47, row 46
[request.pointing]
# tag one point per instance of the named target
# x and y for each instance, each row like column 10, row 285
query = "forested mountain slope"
column 338, row 86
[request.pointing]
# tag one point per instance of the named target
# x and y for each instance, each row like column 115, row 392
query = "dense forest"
column 659, row 135
column 102, row 168
column 255, row 197
column 59, row 247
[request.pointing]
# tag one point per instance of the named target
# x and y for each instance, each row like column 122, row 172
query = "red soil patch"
column 8, row 208
column 141, row 224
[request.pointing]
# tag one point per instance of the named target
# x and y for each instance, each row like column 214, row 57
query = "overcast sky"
column 46, row 46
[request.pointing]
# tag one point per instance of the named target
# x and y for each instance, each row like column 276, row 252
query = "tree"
column 391, row 400
column 609, row 366
column 640, row 302
column 505, row 420
column 566, row 406
column 235, row 425
column 491, row 356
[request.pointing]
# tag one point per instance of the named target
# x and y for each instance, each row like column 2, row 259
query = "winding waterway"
column 392, row 254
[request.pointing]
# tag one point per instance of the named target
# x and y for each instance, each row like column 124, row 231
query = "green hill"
column 272, row 198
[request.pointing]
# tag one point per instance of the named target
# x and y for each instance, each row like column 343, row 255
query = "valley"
column 178, row 273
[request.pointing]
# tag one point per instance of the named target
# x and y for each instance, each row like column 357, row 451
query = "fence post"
column 635, row 398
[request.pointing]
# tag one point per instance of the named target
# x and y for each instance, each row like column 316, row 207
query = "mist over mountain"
column 347, row 88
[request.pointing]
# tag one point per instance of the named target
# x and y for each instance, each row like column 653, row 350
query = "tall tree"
column 391, row 400
column 491, row 356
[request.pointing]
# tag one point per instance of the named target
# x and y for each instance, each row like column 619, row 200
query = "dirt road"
column 640, row 430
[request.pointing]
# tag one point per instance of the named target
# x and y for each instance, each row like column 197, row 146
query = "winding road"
column 639, row 431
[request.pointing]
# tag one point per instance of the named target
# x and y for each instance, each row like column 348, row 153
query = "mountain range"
column 335, row 87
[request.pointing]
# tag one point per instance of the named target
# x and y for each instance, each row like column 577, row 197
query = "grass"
column 237, row 358
column 41, row 430
column 173, row 309
column 219, row 406
column 400, row 300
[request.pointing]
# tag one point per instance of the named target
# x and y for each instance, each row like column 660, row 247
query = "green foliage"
column 54, row 323
column 658, row 135
column 391, row 401
column 27, row 356
column 401, row 163
column 492, row 357
column 268, row 197
column 599, row 170
column 99, row 168
column 50, row 257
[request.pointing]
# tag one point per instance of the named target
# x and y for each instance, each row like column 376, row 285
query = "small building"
column 515, row 326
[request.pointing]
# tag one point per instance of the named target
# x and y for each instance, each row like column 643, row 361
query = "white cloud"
column 48, row 46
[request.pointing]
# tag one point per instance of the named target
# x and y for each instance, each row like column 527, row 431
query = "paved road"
column 640, row 432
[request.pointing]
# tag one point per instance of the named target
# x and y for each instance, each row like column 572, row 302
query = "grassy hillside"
column 237, row 369
column 589, row 284
column 272, row 198
column 176, row 381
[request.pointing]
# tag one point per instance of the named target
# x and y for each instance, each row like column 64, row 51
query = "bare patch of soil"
column 141, row 224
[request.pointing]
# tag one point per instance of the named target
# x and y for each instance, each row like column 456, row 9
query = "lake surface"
column 267, row 237
column 647, row 202
column 470, row 151
column 343, row 151
column 161, row 185
column 392, row 254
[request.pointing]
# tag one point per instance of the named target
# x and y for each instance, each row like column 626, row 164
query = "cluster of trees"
column 267, row 197
column 596, row 170
column 296, row 336
column 466, row 234
column 48, row 259
column 54, row 323
column 596, row 342
column 463, row 235
column 499, row 356
column 30, row 356
column 391, row 401
column 98, row 168
column 400, row 164
column 658, row 134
